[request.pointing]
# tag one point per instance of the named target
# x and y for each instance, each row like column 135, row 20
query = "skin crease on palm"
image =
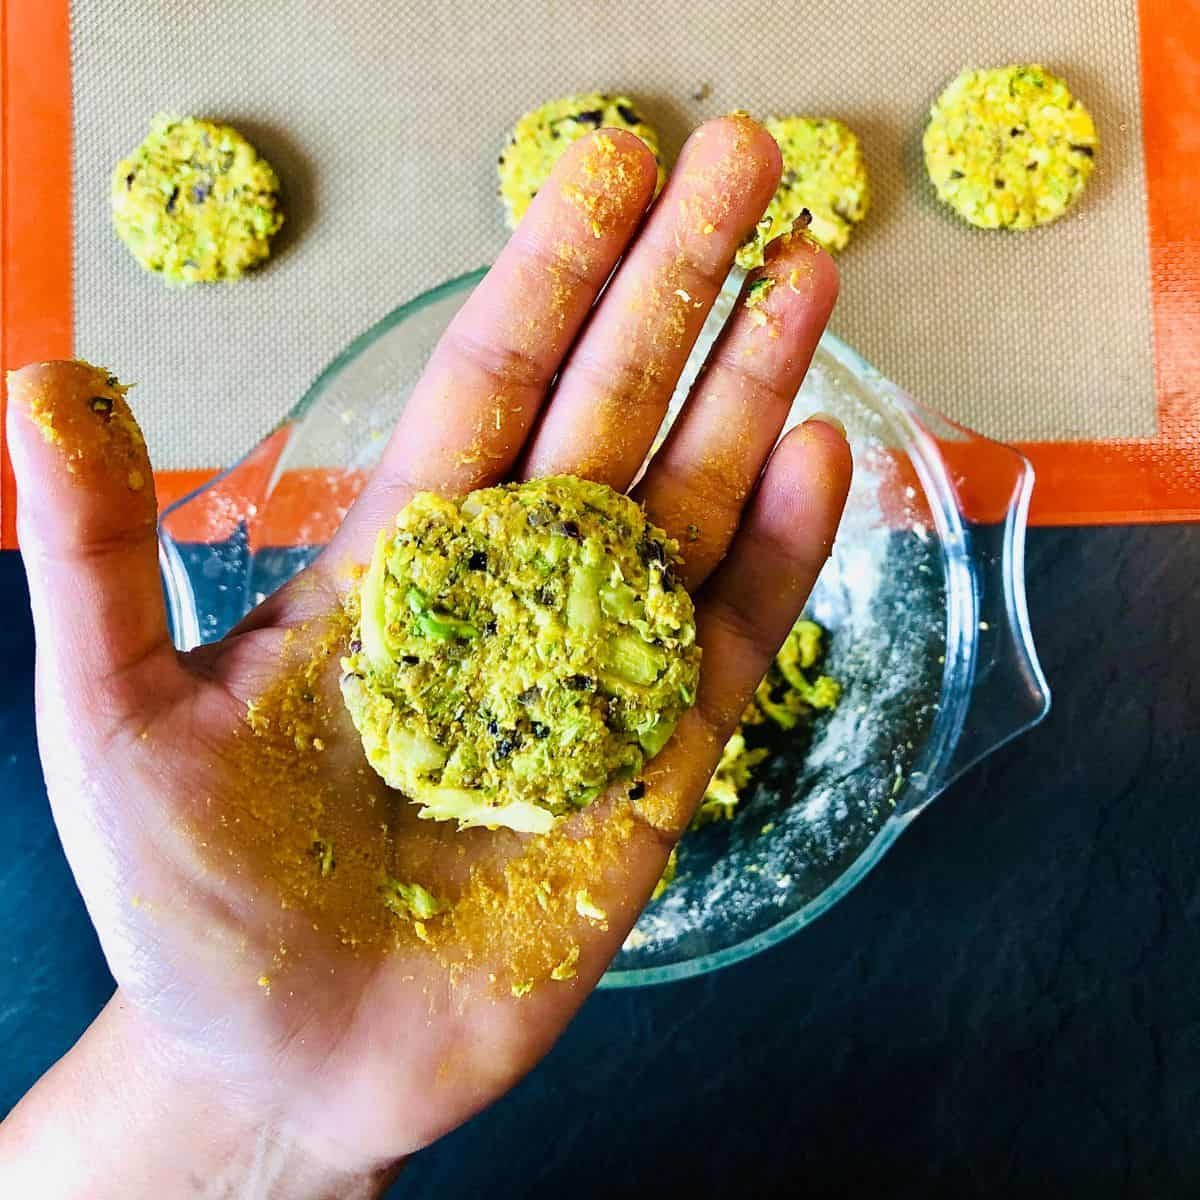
column 322, row 1083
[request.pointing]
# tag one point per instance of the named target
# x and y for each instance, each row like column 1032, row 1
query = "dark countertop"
column 1008, row 1005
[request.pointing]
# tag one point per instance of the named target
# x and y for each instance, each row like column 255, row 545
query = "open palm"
column 281, row 973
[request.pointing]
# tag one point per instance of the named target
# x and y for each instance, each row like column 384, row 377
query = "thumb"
column 86, row 522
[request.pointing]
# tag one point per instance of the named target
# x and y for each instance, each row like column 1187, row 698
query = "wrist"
column 127, row 1112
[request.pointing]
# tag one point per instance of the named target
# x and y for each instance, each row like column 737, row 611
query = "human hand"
column 233, row 868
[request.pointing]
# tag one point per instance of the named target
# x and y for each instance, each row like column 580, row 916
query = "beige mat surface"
column 384, row 121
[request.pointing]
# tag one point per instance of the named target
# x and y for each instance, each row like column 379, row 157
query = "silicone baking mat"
column 1077, row 341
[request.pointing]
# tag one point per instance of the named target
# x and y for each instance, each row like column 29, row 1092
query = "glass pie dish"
column 924, row 600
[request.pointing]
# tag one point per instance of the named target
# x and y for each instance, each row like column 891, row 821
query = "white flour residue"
column 881, row 596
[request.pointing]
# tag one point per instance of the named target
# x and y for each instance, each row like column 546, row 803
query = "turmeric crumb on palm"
column 520, row 920
column 290, row 815
column 338, row 849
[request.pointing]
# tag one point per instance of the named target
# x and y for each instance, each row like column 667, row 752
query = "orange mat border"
column 1145, row 480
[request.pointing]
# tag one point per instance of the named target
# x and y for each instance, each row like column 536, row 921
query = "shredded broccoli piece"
column 436, row 624
column 633, row 659
column 322, row 850
column 583, row 599
column 585, row 906
column 732, row 774
column 758, row 291
column 668, row 874
column 566, row 969
column 410, row 900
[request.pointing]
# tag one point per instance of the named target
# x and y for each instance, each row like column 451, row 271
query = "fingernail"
column 828, row 419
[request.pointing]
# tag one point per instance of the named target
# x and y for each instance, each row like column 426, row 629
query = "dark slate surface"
column 1009, row 1005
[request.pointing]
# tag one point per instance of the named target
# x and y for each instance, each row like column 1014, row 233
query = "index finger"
column 469, row 414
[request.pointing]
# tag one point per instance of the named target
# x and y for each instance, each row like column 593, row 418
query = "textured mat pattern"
column 384, row 121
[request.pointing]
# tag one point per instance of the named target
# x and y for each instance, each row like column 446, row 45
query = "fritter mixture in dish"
column 540, row 137
column 790, row 696
column 1009, row 147
column 823, row 172
column 195, row 203
column 518, row 651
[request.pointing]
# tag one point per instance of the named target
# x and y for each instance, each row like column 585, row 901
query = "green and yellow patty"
column 195, row 203
column 540, row 137
column 1009, row 147
column 518, row 651
column 824, row 172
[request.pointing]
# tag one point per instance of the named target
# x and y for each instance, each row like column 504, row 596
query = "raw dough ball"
column 540, row 137
column 1009, row 147
column 824, row 172
column 195, row 203
column 518, row 651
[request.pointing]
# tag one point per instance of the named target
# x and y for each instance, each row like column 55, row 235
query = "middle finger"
column 618, row 381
